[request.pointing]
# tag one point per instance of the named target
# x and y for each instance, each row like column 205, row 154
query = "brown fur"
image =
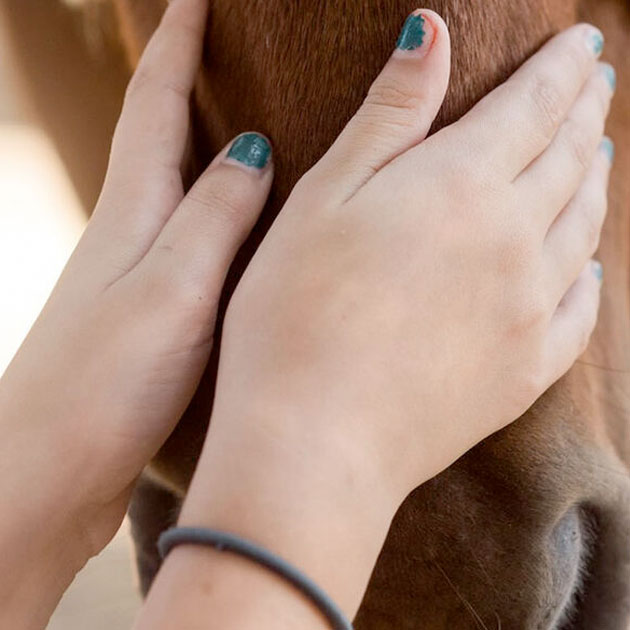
column 529, row 530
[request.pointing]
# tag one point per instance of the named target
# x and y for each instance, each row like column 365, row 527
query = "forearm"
column 321, row 508
column 44, row 539
column 38, row 566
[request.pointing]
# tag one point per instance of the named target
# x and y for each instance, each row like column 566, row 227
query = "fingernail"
column 595, row 41
column 251, row 149
column 610, row 74
column 598, row 270
column 413, row 34
column 608, row 147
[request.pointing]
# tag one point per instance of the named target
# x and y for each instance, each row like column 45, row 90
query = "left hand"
column 119, row 349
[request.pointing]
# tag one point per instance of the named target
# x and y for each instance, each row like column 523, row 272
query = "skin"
column 514, row 294
column 560, row 472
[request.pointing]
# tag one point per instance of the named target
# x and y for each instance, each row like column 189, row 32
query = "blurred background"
column 41, row 219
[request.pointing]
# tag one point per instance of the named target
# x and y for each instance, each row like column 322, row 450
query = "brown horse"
column 531, row 529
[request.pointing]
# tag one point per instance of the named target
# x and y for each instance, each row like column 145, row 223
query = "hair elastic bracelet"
column 223, row 541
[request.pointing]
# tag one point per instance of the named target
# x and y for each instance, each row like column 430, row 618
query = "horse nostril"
column 566, row 538
column 569, row 544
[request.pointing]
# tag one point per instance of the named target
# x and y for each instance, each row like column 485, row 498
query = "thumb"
column 400, row 106
column 198, row 243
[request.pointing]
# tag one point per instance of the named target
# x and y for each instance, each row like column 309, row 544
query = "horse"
column 530, row 529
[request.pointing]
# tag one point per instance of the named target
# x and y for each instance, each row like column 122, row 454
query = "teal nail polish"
column 598, row 270
column 611, row 76
column 608, row 147
column 412, row 34
column 596, row 43
column 251, row 149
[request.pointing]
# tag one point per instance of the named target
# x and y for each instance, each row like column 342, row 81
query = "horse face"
column 530, row 529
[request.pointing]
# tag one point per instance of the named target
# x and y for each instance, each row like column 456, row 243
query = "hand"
column 118, row 351
column 413, row 297
column 416, row 295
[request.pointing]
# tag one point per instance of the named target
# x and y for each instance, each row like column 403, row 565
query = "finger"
column 559, row 171
column 399, row 109
column 197, row 245
column 574, row 236
column 573, row 323
column 153, row 127
column 143, row 183
column 517, row 121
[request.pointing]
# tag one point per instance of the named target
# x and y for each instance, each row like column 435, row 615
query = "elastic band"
column 223, row 541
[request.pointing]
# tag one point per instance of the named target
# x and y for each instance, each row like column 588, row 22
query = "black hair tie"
column 223, row 541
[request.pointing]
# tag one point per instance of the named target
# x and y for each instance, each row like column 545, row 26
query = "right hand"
column 416, row 295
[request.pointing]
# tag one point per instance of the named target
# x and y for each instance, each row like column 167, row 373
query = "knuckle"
column 527, row 317
column 220, row 201
column 601, row 105
column 579, row 140
column 590, row 211
column 175, row 289
column 182, row 25
column 190, row 295
column 393, row 102
column 312, row 184
column 161, row 281
column 467, row 180
column 514, row 250
column 547, row 103
column 574, row 59
column 592, row 234
column 141, row 78
column 303, row 185
column 391, row 93
column 315, row 193
column 147, row 80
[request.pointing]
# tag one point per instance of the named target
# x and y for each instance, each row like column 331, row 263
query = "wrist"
column 313, row 500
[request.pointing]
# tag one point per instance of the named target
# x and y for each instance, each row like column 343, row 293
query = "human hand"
column 118, row 351
column 431, row 289
column 412, row 297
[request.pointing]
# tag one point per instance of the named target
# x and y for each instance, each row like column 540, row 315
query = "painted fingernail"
column 598, row 270
column 413, row 34
column 595, row 41
column 610, row 74
column 251, row 149
column 608, row 147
